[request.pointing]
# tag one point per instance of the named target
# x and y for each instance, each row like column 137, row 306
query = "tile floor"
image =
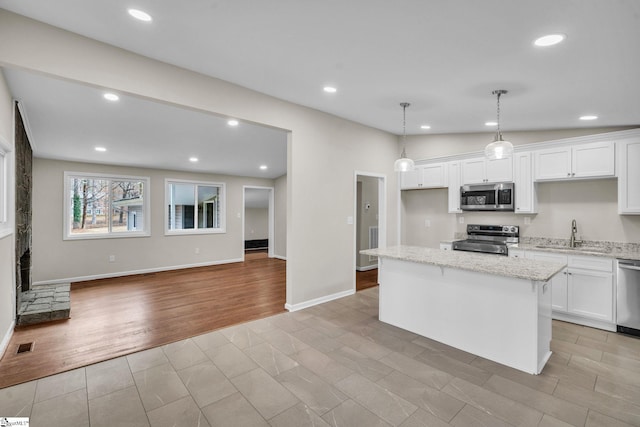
column 336, row 365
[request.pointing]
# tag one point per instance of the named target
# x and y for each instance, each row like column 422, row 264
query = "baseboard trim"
column 284, row 258
column 134, row 272
column 316, row 301
column 6, row 339
column 592, row 323
column 367, row 268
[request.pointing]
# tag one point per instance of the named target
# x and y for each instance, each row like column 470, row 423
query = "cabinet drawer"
column 590, row 263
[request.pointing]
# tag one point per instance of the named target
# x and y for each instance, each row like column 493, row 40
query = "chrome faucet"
column 574, row 230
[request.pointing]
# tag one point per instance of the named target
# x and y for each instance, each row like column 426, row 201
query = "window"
column 194, row 207
column 104, row 206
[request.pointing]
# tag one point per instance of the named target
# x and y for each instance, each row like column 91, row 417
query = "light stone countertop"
column 588, row 248
column 519, row 268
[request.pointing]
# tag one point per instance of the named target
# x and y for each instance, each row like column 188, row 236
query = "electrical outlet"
column 197, row 251
column 427, row 223
column 461, row 220
column 527, row 220
column 349, row 220
column 112, row 258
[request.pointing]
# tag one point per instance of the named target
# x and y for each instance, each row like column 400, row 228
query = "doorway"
column 258, row 223
column 370, row 226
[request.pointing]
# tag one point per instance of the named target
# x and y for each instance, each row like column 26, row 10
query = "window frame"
column 146, row 206
column 6, row 227
column 222, row 192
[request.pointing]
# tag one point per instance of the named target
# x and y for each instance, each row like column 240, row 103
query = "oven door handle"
column 628, row 266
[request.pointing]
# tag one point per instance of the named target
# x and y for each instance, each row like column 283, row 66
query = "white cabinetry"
column 629, row 176
column 525, row 192
column 480, row 170
column 424, row 176
column 454, row 187
column 583, row 292
column 446, row 246
column 592, row 160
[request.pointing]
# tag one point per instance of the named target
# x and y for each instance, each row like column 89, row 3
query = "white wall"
column 256, row 223
column 55, row 259
column 7, row 245
column 280, row 222
column 323, row 150
column 593, row 203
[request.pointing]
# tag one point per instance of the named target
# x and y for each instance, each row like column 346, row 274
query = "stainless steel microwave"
column 487, row 197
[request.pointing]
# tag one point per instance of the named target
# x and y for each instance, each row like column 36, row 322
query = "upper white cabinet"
column 525, row 193
column 454, row 187
column 480, row 170
column 592, row 160
column 629, row 176
column 424, row 176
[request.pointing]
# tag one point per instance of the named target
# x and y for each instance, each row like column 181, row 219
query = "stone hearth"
column 44, row 303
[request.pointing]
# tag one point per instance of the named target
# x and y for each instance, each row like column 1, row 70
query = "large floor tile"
column 597, row 419
column 233, row 411
column 470, row 416
column 364, row 345
column 358, row 362
column 317, row 339
column 431, row 400
column 17, row 400
column 628, row 392
column 120, row 408
column 508, row 410
column 392, row 342
column 283, row 341
column 415, row 369
column 322, row 365
column 69, row 410
column 206, row 383
column 242, row 336
column 107, row 377
column 454, row 367
column 270, row 359
column 422, row 418
column 159, row 385
column 543, row 383
column 299, row 415
column 606, row 370
column 350, row 413
column 183, row 412
column 147, row 359
column 210, row 340
column 231, row 360
column 317, row 394
column 267, row 395
column 183, row 354
column 385, row 404
column 60, row 384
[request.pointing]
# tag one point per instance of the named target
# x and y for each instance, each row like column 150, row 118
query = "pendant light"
column 404, row 164
column 499, row 148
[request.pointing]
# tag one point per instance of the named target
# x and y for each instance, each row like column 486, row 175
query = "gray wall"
column 256, row 224
column 280, row 208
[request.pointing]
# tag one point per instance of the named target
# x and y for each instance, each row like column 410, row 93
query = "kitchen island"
column 492, row 306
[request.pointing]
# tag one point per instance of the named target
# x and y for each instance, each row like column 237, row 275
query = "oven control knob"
column 505, row 228
column 512, row 229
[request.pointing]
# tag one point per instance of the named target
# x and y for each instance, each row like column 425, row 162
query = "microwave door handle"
column 628, row 266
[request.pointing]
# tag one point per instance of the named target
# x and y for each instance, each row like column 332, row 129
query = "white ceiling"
column 444, row 57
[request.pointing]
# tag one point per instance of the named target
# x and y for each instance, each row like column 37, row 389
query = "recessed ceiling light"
column 263, row 167
column 589, row 117
column 111, row 97
column 232, row 122
column 549, row 40
column 140, row 15
column 491, row 123
column 425, row 127
column 330, row 89
column 100, row 149
column 193, row 159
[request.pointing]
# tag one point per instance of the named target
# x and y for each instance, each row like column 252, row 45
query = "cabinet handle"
column 573, row 174
column 564, row 272
column 568, row 173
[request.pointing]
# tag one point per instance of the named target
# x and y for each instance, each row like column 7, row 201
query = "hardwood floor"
column 366, row 279
column 119, row 316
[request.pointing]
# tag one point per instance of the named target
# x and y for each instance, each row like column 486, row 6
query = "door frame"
column 382, row 213
column 271, row 215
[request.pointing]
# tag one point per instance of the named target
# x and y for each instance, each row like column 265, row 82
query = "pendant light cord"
column 404, row 106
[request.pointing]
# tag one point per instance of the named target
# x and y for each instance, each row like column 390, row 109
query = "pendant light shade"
column 404, row 164
column 499, row 148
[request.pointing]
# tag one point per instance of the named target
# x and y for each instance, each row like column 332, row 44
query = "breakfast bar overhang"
column 492, row 306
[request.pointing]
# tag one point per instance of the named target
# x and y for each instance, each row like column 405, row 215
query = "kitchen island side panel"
column 502, row 319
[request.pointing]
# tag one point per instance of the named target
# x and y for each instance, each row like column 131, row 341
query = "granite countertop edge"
column 518, row 268
column 585, row 251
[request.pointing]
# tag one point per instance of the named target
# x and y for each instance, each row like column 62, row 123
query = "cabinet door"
column 411, row 180
column 526, row 200
column 473, row 171
column 558, row 282
column 553, row 164
column 593, row 160
column 454, row 187
column 434, row 175
column 629, row 176
column 590, row 294
column 499, row 170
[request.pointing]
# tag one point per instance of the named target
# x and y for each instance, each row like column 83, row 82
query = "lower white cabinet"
column 584, row 291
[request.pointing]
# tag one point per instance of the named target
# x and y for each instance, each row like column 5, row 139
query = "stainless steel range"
column 490, row 239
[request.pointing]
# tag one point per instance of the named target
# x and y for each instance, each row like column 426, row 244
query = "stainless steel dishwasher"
column 628, row 291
